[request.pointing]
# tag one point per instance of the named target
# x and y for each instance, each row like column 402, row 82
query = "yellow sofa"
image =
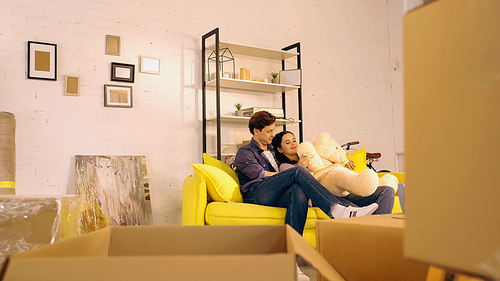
column 201, row 206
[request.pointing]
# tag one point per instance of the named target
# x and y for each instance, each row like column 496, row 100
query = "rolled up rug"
column 7, row 153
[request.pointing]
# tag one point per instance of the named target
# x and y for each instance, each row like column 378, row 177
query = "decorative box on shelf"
column 248, row 112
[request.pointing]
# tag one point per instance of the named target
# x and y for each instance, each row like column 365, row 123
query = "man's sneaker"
column 301, row 276
column 340, row 212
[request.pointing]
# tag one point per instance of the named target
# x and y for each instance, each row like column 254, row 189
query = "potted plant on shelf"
column 275, row 77
column 238, row 108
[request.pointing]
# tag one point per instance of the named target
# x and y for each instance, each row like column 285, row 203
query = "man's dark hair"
column 260, row 119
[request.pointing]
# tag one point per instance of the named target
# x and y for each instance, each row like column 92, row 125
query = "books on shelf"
column 248, row 112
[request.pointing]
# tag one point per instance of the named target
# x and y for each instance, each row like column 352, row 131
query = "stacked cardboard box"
column 367, row 248
column 452, row 98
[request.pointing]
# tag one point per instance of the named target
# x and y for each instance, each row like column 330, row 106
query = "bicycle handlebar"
column 347, row 146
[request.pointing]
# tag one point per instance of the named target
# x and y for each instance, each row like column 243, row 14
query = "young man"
column 261, row 184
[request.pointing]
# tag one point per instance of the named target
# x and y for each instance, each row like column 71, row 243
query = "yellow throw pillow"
column 220, row 186
column 210, row 161
column 359, row 159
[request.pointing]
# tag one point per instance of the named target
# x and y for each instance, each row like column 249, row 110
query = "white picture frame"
column 150, row 65
column 117, row 96
column 291, row 77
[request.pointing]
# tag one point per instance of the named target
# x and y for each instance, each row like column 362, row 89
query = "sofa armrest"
column 194, row 201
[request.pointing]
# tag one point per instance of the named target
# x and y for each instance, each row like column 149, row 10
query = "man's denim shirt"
column 252, row 165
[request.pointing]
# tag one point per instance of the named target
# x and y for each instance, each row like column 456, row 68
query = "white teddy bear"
column 327, row 160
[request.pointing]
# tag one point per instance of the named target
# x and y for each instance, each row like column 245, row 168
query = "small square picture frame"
column 42, row 61
column 118, row 96
column 113, row 45
column 71, row 85
column 122, row 72
column 291, row 77
column 150, row 65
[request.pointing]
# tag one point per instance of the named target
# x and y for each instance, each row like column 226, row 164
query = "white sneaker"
column 340, row 212
column 301, row 276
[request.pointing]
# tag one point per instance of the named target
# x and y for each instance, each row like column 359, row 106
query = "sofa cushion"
column 359, row 159
column 210, row 161
column 218, row 213
column 220, row 186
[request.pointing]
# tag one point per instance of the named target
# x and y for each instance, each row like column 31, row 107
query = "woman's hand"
column 350, row 165
column 305, row 160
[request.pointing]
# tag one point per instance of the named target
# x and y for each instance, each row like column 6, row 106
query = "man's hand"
column 350, row 165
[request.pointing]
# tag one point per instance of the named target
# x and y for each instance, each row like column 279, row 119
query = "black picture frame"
column 42, row 61
column 122, row 72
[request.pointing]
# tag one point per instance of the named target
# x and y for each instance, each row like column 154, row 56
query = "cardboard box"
column 452, row 127
column 367, row 248
column 171, row 253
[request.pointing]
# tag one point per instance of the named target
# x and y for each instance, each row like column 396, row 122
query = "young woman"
column 285, row 147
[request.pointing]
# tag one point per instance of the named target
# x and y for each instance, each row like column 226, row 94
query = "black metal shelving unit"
column 299, row 94
column 218, row 80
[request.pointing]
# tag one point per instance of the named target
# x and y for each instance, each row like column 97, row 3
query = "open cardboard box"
column 368, row 248
column 171, row 253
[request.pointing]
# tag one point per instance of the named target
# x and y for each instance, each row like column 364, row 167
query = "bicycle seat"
column 373, row 155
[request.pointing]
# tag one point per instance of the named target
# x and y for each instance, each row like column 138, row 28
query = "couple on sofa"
column 263, row 184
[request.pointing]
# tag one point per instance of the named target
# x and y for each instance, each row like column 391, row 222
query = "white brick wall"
column 346, row 63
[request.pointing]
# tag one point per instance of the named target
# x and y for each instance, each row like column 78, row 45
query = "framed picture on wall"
column 117, row 96
column 150, row 65
column 112, row 45
column 42, row 61
column 71, row 85
column 122, row 72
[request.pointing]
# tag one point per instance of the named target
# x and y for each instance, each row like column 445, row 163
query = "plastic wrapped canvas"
column 112, row 191
column 27, row 222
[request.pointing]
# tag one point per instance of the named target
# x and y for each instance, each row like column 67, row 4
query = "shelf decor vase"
column 225, row 56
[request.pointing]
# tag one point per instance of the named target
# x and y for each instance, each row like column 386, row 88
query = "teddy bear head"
column 327, row 148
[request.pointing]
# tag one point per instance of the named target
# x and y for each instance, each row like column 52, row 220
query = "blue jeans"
column 292, row 189
column 383, row 196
